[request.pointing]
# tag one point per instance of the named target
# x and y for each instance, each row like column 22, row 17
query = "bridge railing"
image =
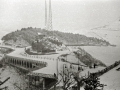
column 7, row 46
column 38, row 56
column 101, row 72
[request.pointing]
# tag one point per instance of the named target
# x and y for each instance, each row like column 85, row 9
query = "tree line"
column 29, row 34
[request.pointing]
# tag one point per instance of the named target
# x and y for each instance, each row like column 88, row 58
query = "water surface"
column 107, row 54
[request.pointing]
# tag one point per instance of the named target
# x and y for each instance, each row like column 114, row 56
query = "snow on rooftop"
column 52, row 61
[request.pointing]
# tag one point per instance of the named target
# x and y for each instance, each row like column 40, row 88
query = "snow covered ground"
column 111, row 79
column 112, row 36
column 109, row 32
column 108, row 55
column 15, row 78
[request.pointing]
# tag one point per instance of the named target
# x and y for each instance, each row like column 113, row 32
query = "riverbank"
column 107, row 55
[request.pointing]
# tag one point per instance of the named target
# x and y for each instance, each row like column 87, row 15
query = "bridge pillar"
column 44, row 84
column 22, row 63
column 26, row 64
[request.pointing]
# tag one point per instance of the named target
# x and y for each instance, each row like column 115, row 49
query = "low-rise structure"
column 42, row 70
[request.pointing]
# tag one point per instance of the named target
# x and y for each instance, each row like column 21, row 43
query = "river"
column 107, row 54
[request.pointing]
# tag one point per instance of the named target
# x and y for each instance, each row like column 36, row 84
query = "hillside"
column 109, row 32
column 87, row 58
column 26, row 36
column 46, row 44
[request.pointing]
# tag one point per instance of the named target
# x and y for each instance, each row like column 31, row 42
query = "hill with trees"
column 26, row 36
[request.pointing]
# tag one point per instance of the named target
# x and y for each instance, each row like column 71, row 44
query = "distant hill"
column 26, row 36
column 113, row 26
column 109, row 32
column 2, row 33
column 87, row 59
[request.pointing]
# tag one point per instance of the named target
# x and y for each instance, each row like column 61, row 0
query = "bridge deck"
column 51, row 60
column 5, row 46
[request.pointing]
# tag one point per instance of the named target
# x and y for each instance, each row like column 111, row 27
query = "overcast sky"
column 68, row 15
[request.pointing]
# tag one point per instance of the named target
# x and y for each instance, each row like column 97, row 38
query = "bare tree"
column 2, row 82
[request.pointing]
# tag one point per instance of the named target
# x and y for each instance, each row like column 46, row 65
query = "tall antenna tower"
column 50, row 17
column 45, row 15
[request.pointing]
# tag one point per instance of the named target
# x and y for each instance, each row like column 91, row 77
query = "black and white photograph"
column 59, row 44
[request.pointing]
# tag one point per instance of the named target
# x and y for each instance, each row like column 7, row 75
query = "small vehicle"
column 101, row 87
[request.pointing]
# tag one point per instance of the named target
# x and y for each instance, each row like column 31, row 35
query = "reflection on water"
column 107, row 55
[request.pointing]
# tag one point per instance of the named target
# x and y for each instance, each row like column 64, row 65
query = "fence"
column 101, row 72
column 39, row 57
